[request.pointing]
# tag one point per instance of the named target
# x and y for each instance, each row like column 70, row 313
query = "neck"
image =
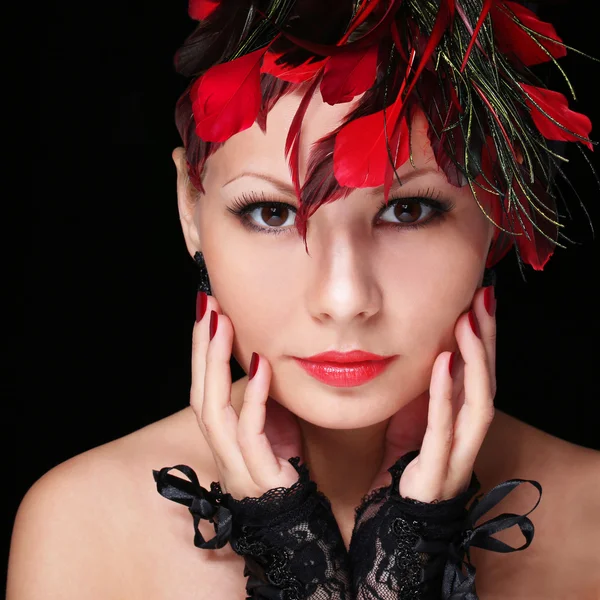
column 344, row 463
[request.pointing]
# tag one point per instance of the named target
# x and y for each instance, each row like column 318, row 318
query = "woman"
column 353, row 290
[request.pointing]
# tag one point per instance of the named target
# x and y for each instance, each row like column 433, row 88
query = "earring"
column 204, row 282
column 489, row 278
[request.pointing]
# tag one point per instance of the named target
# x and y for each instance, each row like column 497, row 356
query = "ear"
column 187, row 200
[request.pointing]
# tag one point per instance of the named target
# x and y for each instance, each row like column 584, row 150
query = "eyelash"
column 249, row 202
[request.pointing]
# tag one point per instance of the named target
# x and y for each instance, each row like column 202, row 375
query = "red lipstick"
column 345, row 369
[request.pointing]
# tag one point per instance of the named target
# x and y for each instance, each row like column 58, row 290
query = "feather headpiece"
column 466, row 64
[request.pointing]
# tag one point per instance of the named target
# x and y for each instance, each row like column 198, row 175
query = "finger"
column 476, row 414
column 218, row 415
column 255, row 447
column 437, row 442
column 484, row 304
column 200, row 335
column 200, row 342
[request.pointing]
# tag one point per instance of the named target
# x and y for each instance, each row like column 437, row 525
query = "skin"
column 356, row 289
column 86, row 518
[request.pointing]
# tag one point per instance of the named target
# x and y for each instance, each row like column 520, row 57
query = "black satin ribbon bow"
column 201, row 503
column 456, row 585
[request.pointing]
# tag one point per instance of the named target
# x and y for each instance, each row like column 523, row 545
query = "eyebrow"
column 287, row 188
column 282, row 186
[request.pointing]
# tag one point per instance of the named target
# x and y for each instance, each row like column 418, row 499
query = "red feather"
column 469, row 27
column 400, row 148
column 501, row 242
column 360, row 157
column 556, row 107
column 286, row 72
column 496, row 117
column 400, row 138
column 201, row 9
column 360, row 154
column 455, row 106
column 227, row 98
column 537, row 250
column 292, row 141
column 513, row 40
column 359, row 18
column 349, row 74
column 487, row 5
column 443, row 20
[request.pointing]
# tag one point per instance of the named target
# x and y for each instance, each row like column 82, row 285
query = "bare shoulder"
column 562, row 561
column 83, row 520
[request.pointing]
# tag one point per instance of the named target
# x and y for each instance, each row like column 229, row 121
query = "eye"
column 416, row 211
column 273, row 214
column 409, row 212
column 258, row 213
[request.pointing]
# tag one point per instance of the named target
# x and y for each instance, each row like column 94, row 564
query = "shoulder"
column 530, row 453
column 563, row 553
column 80, row 520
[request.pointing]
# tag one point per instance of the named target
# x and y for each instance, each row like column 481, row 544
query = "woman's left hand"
column 450, row 445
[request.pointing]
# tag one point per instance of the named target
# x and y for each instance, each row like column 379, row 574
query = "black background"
column 110, row 289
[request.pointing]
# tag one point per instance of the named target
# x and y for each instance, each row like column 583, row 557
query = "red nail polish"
column 253, row 366
column 214, row 321
column 489, row 300
column 451, row 363
column 201, row 302
column 474, row 324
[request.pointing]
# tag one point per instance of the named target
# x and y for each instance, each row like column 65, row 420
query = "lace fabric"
column 401, row 549
column 289, row 538
column 409, row 550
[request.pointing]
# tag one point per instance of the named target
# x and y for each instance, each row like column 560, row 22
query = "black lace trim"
column 290, row 540
column 400, row 548
column 403, row 548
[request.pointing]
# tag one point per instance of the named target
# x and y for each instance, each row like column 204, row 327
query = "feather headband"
column 468, row 65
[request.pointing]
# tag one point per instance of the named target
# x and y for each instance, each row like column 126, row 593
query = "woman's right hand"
column 251, row 451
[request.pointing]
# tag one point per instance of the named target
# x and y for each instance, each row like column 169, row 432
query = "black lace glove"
column 409, row 550
column 288, row 537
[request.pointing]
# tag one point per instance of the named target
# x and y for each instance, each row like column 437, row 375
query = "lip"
column 332, row 356
column 347, row 374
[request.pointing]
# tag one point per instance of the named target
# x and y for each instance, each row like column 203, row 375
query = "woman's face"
column 365, row 285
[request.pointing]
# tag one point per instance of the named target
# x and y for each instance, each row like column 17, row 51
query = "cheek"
column 429, row 291
column 256, row 288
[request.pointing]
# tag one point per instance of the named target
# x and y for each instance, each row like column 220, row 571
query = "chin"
column 333, row 420
column 336, row 408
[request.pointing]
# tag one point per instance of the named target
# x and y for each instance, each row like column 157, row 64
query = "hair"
column 482, row 130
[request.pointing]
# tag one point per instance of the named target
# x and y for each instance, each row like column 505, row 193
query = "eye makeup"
column 247, row 203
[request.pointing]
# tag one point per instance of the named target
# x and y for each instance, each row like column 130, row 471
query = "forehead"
column 253, row 150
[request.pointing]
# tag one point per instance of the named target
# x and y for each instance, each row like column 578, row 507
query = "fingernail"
column 214, row 321
column 253, row 366
column 201, row 302
column 474, row 324
column 489, row 300
column 451, row 363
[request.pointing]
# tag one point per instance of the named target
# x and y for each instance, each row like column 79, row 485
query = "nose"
column 342, row 286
